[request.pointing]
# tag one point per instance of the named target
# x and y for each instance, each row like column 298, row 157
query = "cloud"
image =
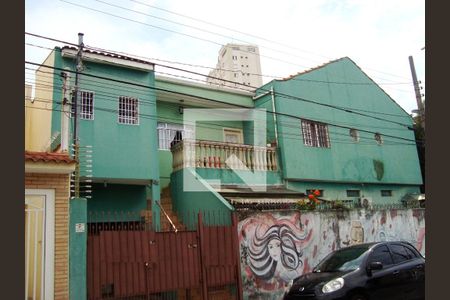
column 378, row 35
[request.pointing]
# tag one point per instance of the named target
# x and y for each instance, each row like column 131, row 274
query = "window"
column 251, row 49
column 167, row 133
column 399, row 253
column 87, row 106
column 234, row 57
column 128, row 110
column 232, row 136
column 315, row 134
column 378, row 138
column 354, row 134
column 386, row 193
column 353, row 193
column 411, row 254
column 381, row 254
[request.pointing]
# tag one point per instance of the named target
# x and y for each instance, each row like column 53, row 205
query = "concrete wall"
column 117, row 198
column 131, row 148
column 39, row 113
column 187, row 202
column 309, row 236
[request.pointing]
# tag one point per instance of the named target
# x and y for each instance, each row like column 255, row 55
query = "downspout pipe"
column 274, row 114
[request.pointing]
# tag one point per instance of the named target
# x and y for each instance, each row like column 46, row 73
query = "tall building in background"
column 238, row 63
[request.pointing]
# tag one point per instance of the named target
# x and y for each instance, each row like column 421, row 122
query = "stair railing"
column 167, row 216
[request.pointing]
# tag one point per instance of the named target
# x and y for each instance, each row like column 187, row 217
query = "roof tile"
column 48, row 157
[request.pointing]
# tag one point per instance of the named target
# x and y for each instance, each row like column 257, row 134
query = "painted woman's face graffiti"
column 275, row 249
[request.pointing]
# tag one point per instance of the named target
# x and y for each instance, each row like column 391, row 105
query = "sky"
column 292, row 35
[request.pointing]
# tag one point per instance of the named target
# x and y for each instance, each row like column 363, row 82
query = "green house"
column 178, row 146
column 116, row 128
column 340, row 133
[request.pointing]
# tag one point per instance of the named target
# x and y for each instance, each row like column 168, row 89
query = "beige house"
column 47, row 193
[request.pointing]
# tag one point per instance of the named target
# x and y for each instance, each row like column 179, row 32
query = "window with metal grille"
column 128, row 110
column 87, row 105
column 386, row 193
column 167, row 134
column 353, row 193
column 354, row 134
column 315, row 134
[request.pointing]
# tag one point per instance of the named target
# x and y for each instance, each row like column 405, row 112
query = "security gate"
column 132, row 262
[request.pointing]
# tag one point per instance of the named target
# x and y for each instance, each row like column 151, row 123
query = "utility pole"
column 65, row 112
column 75, row 117
column 420, row 106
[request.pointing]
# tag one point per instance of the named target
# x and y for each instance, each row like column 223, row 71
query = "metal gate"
column 134, row 262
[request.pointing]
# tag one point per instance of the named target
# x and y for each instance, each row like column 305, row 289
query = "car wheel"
column 358, row 297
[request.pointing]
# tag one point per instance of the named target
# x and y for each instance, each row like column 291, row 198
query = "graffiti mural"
column 272, row 251
column 279, row 246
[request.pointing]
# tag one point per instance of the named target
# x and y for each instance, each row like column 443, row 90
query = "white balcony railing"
column 216, row 155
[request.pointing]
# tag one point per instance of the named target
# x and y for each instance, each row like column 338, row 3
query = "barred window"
column 128, row 110
column 378, row 138
column 87, row 106
column 315, row 134
column 353, row 193
column 167, row 133
column 354, row 134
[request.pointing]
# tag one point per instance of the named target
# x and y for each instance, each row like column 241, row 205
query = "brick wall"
column 60, row 183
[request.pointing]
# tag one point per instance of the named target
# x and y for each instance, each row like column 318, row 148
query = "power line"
column 172, row 31
column 228, row 70
column 250, row 35
column 207, row 125
column 283, row 95
column 353, row 109
column 209, row 99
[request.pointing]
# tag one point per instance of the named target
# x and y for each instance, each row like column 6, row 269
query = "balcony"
column 218, row 155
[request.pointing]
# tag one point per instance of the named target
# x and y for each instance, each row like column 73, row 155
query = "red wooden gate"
column 144, row 264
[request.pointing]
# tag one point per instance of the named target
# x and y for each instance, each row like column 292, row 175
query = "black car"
column 381, row 270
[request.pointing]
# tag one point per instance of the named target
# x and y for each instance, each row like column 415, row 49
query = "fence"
column 127, row 259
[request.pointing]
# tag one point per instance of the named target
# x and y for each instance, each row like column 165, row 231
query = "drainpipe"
column 274, row 115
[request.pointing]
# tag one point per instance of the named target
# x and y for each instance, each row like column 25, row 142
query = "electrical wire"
column 325, row 120
column 248, row 34
column 172, row 31
column 288, row 136
column 222, row 102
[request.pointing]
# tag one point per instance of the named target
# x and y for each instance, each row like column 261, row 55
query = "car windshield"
column 347, row 259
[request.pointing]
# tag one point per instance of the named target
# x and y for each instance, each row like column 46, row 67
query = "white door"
column 39, row 244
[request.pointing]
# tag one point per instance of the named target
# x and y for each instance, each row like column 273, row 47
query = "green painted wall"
column 132, row 148
column 117, row 198
column 211, row 131
column 77, row 249
column 227, row 176
column 365, row 161
column 201, row 90
column 338, row 191
column 185, row 203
